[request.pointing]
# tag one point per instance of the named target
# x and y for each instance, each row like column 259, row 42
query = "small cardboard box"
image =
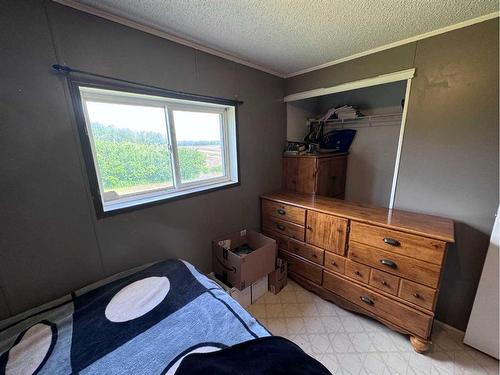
column 244, row 269
column 243, row 297
column 259, row 288
column 278, row 278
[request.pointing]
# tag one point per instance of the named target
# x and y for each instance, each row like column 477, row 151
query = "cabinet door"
column 306, row 175
column 326, row 231
column 289, row 177
column 331, row 176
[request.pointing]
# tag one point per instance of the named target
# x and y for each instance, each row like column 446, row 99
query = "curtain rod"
column 64, row 69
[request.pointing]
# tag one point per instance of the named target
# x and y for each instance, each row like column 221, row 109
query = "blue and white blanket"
column 142, row 322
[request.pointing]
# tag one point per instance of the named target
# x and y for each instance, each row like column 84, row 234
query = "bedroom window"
column 143, row 149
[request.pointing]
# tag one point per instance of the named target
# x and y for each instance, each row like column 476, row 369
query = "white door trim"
column 362, row 83
column 400, row 145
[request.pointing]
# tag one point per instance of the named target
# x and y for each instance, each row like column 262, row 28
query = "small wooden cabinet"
column 383, row 263
column 315, row 174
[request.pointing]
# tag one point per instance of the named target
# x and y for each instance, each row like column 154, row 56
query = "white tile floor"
column 348, row 343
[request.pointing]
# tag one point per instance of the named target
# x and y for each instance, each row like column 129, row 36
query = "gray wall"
column 370, row 167
column 297, row 114
column 50, row 240
column 449, row 162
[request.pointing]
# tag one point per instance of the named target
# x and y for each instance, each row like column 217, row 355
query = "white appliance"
column 482, row 331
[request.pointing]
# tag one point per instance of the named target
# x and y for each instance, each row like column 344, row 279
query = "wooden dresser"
column 383, row 263
column 323, row 174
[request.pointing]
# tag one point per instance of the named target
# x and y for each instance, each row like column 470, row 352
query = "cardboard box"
column 241, row 270
column 243, row 297
column 259, row 288
column 278, row 278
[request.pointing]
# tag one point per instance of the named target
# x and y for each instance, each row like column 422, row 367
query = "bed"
column 163, row 318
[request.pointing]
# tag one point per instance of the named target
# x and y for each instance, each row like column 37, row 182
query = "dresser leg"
column 419, row 345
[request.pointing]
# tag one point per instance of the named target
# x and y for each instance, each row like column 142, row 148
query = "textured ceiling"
column 289, row 35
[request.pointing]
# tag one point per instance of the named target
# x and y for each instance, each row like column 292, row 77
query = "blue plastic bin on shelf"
column 338, row 140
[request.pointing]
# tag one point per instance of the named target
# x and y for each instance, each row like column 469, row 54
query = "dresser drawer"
column 418, row 294
column 302, row 268
column 357, row 271
column 281, row 240
column 384, row 281
column 284, row 211
column 334, row 262
column 408, row 268
column 403, row 316
column 284, row 227
column 410, row 245
column 309, row 252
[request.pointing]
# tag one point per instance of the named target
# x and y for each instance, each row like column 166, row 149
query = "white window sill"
column 112, row 208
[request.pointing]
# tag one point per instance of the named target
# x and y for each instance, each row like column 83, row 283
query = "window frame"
column 170, row 101
column 174, row 150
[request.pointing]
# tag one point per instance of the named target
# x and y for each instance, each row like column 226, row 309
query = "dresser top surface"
column 318, row 156
column 421, row 224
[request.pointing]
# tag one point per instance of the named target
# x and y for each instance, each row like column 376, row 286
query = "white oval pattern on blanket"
column 28, row 354
column 137, row 299
column 202, row 349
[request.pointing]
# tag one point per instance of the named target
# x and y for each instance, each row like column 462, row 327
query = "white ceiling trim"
column 174, row 38
column 367, row 82
column 398, row 43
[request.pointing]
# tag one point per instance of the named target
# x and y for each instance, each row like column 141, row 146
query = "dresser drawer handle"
column 383, row 283
column 334, row 264
column 280, row 226
column 367, row 300
column 391, row 241
column 388, row 263
column 281, row 211
column 416, row 295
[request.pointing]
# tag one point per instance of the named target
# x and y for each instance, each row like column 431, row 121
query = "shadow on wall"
column 462, row 271
column 360, row 169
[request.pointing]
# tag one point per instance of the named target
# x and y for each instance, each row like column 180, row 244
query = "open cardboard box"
column 242, row 270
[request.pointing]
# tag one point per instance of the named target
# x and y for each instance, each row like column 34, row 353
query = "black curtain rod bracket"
column 61, row 68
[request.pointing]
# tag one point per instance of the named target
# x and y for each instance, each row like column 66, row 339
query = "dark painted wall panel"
column 47, row 241
column 89, row 43
column 51, row 241
column 449, row 163
column 388, row 61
